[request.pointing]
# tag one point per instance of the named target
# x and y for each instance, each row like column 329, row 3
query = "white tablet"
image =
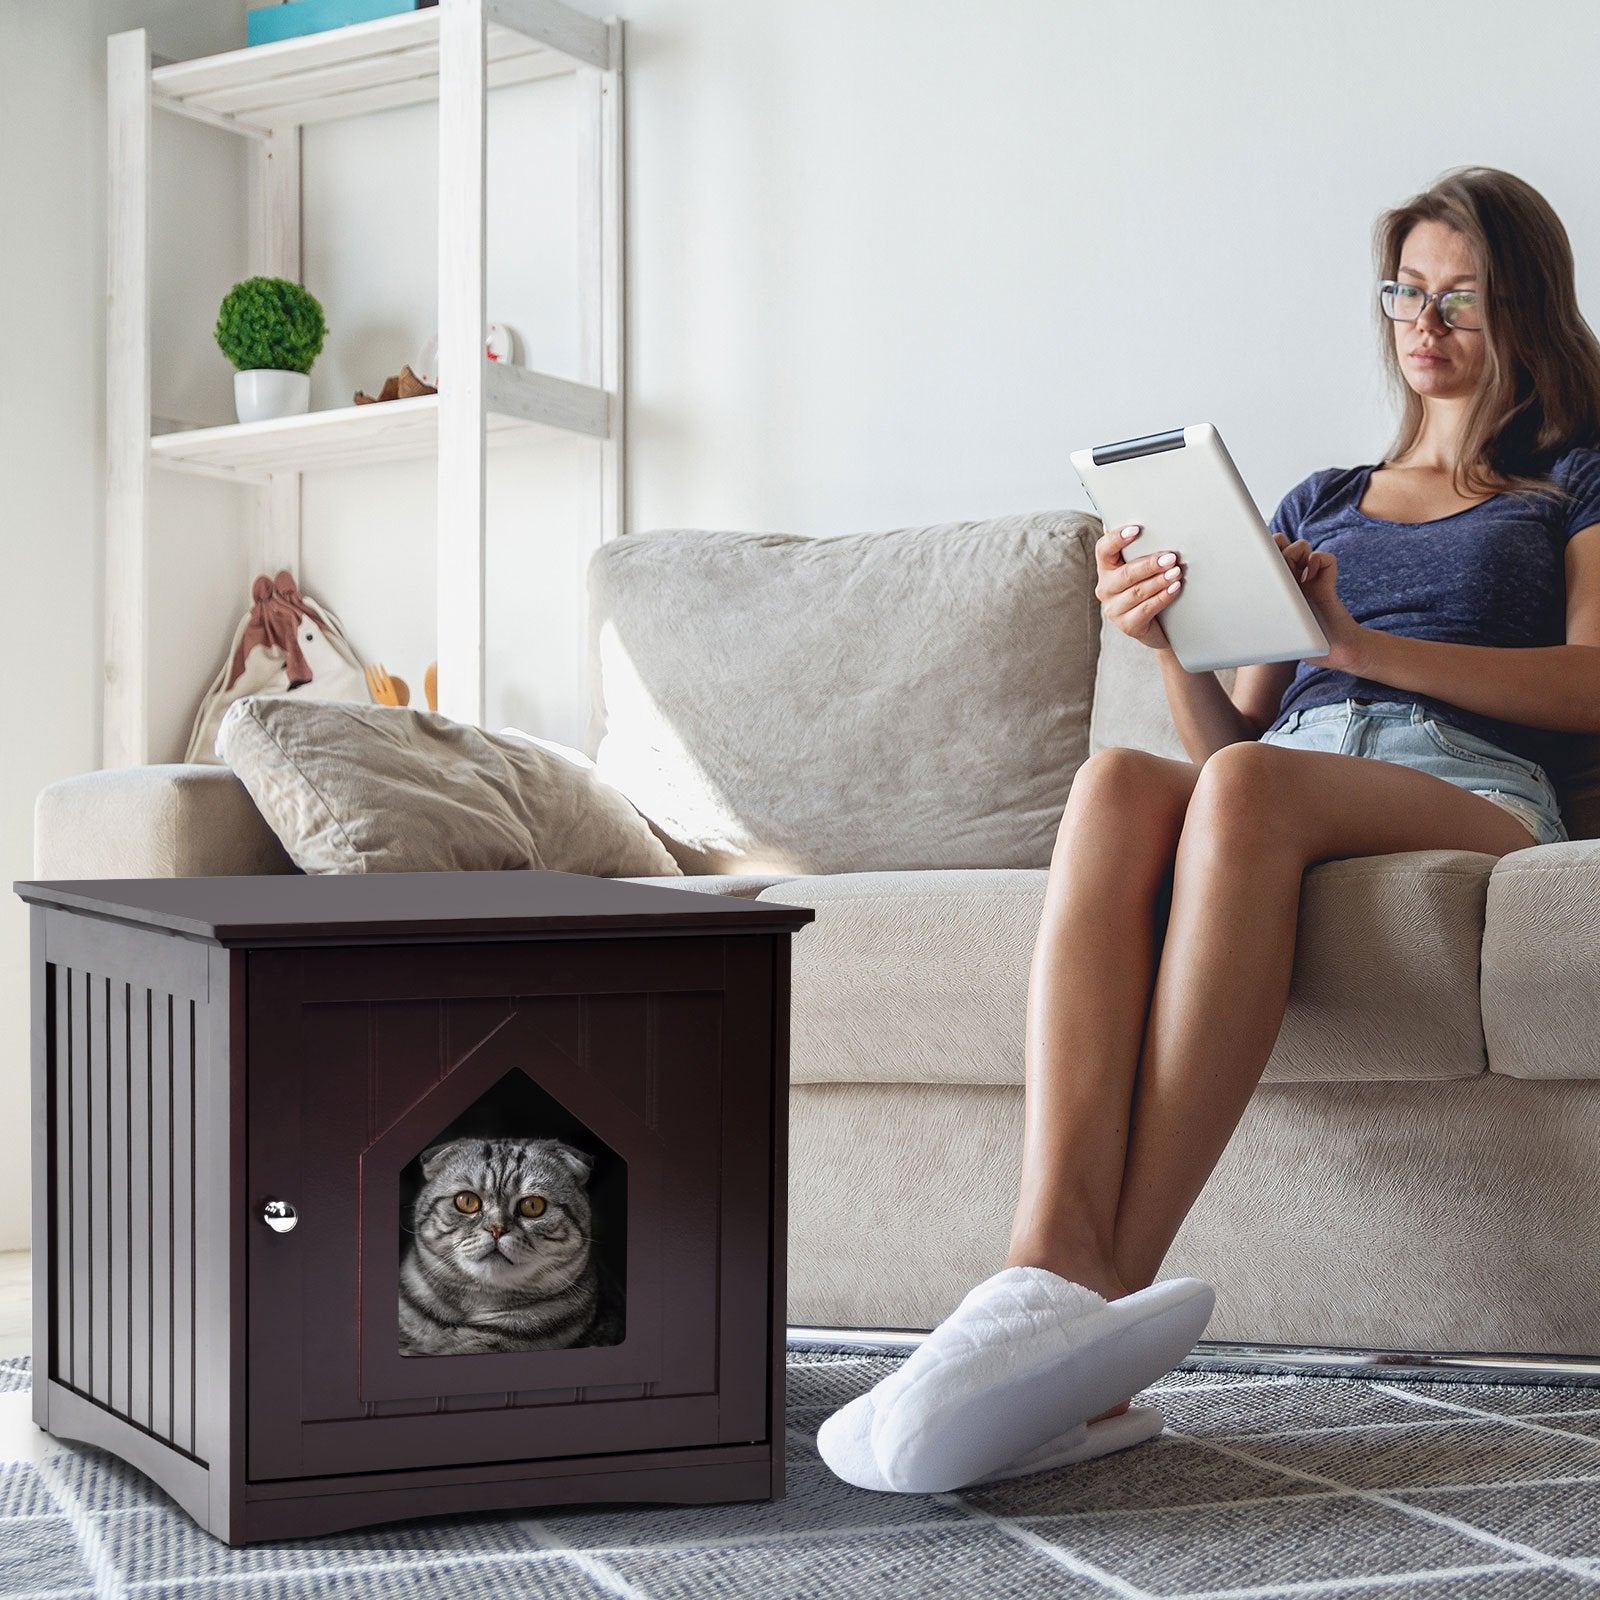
column 1240, row 604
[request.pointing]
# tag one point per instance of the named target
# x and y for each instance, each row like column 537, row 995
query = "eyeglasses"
column 1405, row 302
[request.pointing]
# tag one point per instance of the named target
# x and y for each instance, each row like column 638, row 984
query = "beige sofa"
column 885, row 727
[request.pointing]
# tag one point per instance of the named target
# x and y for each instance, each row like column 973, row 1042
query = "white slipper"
column 1019, row 1365
column 1087, row 1442
column 844, row 1442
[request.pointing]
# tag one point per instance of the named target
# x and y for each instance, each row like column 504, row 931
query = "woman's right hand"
column 1133, row 594
column 1296, row 554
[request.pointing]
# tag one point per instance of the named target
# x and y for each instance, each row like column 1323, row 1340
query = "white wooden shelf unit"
column 453, row 52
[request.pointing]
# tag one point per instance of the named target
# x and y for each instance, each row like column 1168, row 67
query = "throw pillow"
column 367, row 788
column 1130, row 699
column 916, row 698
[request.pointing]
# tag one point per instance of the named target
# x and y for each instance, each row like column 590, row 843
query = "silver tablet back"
column 1240, row 604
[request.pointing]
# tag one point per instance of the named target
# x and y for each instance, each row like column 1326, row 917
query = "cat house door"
column 649, row 1059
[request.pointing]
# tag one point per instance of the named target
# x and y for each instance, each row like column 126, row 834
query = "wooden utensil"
column 430, row 685
column 387, row 691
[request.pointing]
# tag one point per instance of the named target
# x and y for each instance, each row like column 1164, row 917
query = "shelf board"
column 368, row 66
column 520, row 402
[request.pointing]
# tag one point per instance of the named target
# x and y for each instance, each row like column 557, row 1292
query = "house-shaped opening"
column 512, row 1230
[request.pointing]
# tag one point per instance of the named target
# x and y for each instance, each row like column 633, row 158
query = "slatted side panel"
column 63, row 1084
column 181, row 1368
column 123, row 1059
column 162, row 1170
column 97, row 1172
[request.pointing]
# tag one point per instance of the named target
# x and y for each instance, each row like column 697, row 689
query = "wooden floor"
column 16, row 1303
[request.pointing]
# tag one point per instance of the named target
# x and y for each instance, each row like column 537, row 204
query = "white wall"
column 889, row 262
column 50, row 441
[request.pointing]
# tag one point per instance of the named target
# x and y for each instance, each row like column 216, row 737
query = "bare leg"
column 1254, row 817
column 1089, row 989
column 1259, row 816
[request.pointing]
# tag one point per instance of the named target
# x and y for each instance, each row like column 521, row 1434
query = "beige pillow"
column 871, row 702
column 1130, row 698
column 365, row 788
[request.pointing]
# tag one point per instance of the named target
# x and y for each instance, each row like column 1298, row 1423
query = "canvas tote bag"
column 286, row 643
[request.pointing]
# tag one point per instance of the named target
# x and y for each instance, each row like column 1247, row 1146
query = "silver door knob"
column 279, row 1215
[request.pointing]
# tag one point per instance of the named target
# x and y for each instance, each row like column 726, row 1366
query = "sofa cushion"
column 365, row 788
column 917, row 698
column 923, row 977
column 1541, row 962
column 1130, row 701
column 741, row 885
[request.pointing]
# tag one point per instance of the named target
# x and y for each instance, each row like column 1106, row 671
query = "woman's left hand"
column 1318, row 583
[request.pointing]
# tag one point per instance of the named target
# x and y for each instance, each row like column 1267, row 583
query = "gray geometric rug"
column 1332, row 1488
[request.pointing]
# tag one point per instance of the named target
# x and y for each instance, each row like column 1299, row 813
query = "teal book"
column 267, row 24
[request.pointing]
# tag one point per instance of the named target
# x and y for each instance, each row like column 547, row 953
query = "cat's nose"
column 496, row 1229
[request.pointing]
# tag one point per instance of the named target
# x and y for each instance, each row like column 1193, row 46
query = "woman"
column 1464, row 642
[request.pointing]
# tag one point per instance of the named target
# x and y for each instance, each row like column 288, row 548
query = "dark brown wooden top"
column 290, row 908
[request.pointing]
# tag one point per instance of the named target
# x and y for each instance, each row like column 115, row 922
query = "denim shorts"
column 1388, row 730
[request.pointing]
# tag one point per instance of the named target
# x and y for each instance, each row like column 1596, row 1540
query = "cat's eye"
column 469, row 1202
column 531, row 1205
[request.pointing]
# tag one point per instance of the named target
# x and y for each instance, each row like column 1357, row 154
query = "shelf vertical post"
column 125, row 734
column 275, row 252
column 463, row 149
column 601, row 266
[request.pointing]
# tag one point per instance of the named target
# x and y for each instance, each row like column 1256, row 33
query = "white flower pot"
column 266, row 392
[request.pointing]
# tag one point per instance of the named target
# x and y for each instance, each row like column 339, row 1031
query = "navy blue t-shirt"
column 1494, row 574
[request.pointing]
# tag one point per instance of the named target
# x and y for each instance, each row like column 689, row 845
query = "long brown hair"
column 1540, row 396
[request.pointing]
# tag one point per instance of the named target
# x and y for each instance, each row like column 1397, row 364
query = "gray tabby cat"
column 500, row 1253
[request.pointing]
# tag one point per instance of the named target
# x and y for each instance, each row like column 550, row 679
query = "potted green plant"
column 271, row 330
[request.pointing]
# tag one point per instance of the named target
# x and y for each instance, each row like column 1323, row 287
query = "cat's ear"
column 434, row 1157
column 579, row 1164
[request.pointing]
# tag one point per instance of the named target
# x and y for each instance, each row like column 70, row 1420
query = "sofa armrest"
column 181, row 820
column 1540, row 972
